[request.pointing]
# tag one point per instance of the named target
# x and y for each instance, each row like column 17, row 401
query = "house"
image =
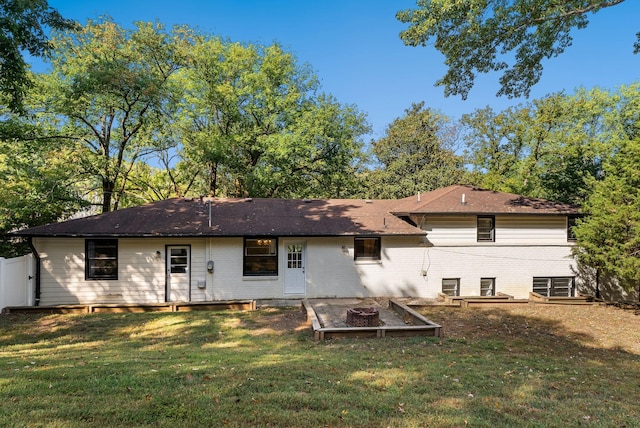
column 459, row 240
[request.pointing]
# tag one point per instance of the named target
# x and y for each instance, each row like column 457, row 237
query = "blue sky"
column 354, row 47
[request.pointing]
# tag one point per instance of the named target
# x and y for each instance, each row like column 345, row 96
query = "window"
column 563, row 286
column 366, row 249
column 294, row 256
column 179, row 260
column 486, row 228
column 451, row 286
column 260, row 257
column 101, row 259
column 487, row 286
column 571, row 223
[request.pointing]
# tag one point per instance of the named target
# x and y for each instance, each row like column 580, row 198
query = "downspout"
column 36, row 256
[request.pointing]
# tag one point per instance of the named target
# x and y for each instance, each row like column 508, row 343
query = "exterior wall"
column 330, row 270
column 141, row 273
column 514, row 230
column 525, row 246
column 513, row 267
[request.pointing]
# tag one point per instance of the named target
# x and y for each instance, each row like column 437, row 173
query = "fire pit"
column 363, row 317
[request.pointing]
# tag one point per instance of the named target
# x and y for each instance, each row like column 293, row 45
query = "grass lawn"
column 530, row 366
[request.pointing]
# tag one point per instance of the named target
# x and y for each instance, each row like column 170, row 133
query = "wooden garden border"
column 239, row 305
column 417, row 325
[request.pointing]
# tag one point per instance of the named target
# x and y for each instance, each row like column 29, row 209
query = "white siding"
column 525, row 246
column 516, row 230
column 330, row 270
column 513, row 267
column 531, row 230
column 227, row 279
column 141, row 272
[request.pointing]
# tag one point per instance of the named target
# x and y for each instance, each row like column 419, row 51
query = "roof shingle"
column 462, row 199
column 238, row 217
column 184, row 217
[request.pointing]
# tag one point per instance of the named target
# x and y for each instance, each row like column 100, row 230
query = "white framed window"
column 487, row 286
column 486, row 227
column 563, row 286
column 451, row 286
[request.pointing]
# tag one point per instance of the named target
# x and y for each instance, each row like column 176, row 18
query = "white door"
column 178, row 273
column 294, row 275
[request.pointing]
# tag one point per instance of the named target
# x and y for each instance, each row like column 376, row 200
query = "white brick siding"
column 525, row 246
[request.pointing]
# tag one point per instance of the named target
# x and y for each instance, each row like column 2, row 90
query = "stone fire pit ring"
column 363, row 317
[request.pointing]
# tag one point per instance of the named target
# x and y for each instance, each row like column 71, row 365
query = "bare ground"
column 598, row 327
column 603, row 327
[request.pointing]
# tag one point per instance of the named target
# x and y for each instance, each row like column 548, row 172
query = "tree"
column 415, row 155
column 548, row 148
column 609, row 235
column 252, row 121
column 475, row 36
column 22, row 28
column 107, row 93
column 37, row 183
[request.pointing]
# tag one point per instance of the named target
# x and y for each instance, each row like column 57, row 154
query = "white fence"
column 17, row 281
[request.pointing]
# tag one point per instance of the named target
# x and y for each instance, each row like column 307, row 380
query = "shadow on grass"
column 493, row 368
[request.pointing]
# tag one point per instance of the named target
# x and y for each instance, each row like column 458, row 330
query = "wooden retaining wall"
column 238, row 305
column 416, row 325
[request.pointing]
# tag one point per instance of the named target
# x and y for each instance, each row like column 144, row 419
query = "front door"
column 294, row 276
column 178, row 273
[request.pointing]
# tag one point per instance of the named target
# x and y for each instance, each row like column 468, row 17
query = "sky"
column 355, row 49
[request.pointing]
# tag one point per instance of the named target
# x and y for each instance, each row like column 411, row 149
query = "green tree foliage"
column 251, row 120
column 22, row 28
column 37, row 183
column 108, row 91
column 478, row 36
column 549, row 148
column 415, row 155
column 609, row 234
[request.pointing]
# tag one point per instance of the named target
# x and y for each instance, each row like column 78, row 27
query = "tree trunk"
column 107, row 192
column 213, row 179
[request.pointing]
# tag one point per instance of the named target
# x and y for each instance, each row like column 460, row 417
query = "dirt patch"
column 603, row 327
column 589, row 326
column 278, row 321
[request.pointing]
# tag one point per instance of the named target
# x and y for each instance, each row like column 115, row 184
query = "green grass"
column 230, row 369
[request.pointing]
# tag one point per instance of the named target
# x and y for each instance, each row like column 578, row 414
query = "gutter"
column 36, row 256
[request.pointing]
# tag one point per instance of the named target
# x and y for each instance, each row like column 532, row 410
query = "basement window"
column 366, row 249
column 101, row 259
column 260, row 257
column 487, row 286
column 451, row 286
column 563, row 286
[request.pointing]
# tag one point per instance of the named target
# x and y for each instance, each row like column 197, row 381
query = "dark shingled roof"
column 449, row 200
column 238, row 217
column 295, row 217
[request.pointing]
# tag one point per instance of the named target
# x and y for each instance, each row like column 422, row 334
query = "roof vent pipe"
column 464, row 202
column 209, row 203
column 418, row 196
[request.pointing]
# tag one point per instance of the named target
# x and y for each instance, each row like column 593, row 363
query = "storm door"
column 294, row 276
column 178, row 273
